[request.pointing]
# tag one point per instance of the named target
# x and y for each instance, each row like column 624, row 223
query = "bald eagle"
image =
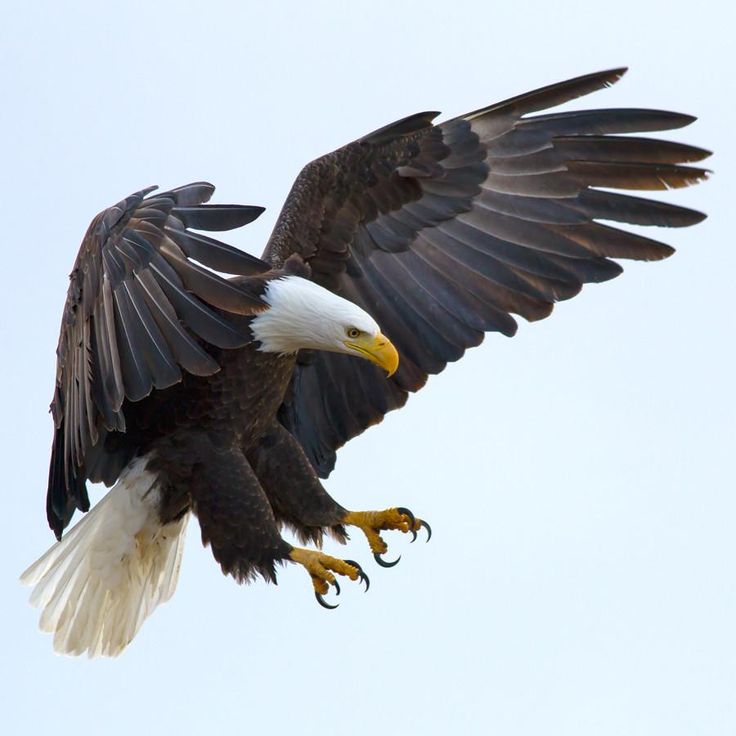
column 190, row 392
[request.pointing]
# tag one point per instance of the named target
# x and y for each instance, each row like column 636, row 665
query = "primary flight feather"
column 228, row 397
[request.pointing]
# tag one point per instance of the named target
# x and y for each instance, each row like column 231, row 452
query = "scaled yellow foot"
column 321, row 568
column 371, row 523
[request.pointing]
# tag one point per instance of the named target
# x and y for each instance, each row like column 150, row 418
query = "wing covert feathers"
column 446, row 231
column 142, row 306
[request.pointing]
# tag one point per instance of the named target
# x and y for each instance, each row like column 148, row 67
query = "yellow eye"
column 353, row 332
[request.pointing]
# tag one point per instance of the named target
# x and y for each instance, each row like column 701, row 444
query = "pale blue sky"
column 579, row 478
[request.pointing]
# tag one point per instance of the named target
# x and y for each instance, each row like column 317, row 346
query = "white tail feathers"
column 98, row 584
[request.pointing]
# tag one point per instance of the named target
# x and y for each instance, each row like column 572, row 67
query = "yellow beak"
column 378, row 350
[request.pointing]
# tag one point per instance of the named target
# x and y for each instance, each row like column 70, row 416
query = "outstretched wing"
column 442, row 232
column 136, row 305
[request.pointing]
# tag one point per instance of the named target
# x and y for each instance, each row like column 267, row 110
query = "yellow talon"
column 371, row 523
column 321, row 568
column 318, row 564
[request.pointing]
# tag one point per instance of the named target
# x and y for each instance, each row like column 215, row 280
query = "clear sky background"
column 579, row 478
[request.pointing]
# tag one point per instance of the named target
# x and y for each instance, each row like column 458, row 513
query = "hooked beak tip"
column 379, row 350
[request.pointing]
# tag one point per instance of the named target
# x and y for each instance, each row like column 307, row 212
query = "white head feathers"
column 303, row 314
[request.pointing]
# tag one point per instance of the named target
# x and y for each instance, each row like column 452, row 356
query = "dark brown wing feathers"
column 443, row 232
column 138, row 311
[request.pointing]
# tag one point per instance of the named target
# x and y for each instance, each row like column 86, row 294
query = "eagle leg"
column 372, row 523
column 234, row 514
column 296, row 495
column 321, row 568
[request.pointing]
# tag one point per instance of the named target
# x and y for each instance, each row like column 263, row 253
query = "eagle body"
column 194, row 378
column 195, row 428
column 240, row 401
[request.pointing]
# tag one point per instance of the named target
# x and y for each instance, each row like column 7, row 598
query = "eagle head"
column 304, row 315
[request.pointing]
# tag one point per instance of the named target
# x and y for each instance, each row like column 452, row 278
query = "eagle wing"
column 138, row 312
column 443, row 232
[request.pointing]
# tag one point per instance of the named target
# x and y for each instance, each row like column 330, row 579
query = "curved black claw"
column 427, row 527
column 412, row 523
column 337, row 587
column 385, row 563
column 361, row 575
column 406, row 512
column 323, row 602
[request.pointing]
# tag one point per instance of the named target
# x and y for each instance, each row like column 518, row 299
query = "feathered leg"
column 235, row 515
column 233, row 512
column 301, row 502
column 297, row 497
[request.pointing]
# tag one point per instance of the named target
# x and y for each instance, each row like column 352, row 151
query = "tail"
column 98, row 585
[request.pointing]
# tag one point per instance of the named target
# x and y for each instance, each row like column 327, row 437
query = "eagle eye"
column 353, row 332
